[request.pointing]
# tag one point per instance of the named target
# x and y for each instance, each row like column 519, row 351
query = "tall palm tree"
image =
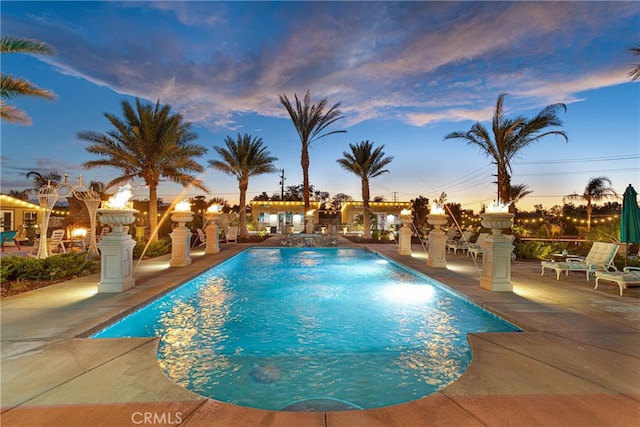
column 150, row 143
column 510, row 136
column 310, row 121
column 597, row 189
column 245, row 157
column 12, row 87
column 635, row 71
column 367, row 163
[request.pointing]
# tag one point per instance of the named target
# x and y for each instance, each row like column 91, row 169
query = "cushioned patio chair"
column 628, row 276
column 600, row 257
column 9, row 238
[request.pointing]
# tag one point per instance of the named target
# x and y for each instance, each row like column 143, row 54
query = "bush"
column 157, row 248
column 538, row 250
column 56, row 267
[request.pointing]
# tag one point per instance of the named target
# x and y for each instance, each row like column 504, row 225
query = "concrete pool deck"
column 577, row 364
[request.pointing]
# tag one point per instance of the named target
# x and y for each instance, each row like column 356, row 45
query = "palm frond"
column 13, row 44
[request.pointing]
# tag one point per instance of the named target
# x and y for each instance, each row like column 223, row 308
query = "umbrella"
column 630, row 218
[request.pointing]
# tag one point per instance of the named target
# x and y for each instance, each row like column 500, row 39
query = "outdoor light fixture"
column 499, row 207
column 120, row 200
column 183, row 206
column 437, row 209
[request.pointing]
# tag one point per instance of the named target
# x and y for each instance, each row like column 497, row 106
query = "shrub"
column 538, row 250
column 154, row 249
column 56, row 267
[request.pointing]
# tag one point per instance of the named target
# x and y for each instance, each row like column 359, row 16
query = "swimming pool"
column 304, row 329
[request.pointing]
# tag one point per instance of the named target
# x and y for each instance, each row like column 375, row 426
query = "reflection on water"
column 274, row 326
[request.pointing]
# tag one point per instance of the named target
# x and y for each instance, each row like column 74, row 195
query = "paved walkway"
column 577, row 364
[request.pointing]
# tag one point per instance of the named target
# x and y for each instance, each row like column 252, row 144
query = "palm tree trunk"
column 504, row 184
column 153, row 212
column 365, row 211
column 244, row 232
column 304, row 162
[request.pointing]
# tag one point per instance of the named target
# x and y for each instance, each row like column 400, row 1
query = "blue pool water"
column 275, row 327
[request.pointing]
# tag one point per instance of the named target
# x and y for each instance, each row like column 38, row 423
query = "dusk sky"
column 406, row 74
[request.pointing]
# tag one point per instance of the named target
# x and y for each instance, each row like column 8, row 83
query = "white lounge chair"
column 628, row 276
column 202, row 238
column 232, row 235
column 600, row 257
column 451, row 241
column 474, row 249
column 461, row 244
column 54, row 243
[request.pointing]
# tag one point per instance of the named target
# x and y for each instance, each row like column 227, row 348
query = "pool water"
column 276, row 328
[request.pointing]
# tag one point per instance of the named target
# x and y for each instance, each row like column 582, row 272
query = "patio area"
column 577, row 364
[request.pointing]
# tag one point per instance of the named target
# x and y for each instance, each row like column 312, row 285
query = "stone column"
column 309, row 222
column 213, row 238
column 116, row 249
column 404, row 234
column 437, row 241
column 496, row 253
column 181, row 239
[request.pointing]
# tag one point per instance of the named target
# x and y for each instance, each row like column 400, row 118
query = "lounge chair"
column 451, row 241
column 232, row 235
column 202, row 238
column 103, row 232
column 474, row 249
column 9, row 238
column 54, row 243
column 461, row 244
column 600, row 257
column 628, row 276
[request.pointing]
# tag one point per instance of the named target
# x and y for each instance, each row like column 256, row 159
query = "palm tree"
column 149, row 143
column 20, row 195
column 310, row 121
column 635, row 71
column 510, row 136
column 11, row 87
column 40, row 180
column 245, row 157
column 367, row 163
column 517, row 192
column 597, row 189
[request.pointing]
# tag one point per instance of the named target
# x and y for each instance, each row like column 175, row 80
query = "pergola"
column 49, row 194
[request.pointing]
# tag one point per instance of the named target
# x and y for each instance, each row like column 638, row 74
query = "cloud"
column 415, row 62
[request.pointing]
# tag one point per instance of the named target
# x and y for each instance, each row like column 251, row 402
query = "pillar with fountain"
column 437, row 237
column 497, row 249
column 181, row 235
column 404, row 235
column 309, row 222
column 116, row 247
column 213, row 239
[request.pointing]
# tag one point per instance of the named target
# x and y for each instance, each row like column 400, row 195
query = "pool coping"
column 577, row 364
